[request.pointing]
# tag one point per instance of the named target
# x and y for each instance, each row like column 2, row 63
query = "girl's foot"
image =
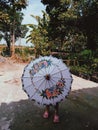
column 56, row 119
column 45, row 115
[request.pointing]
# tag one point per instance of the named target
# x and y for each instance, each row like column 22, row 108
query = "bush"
column 82, row 71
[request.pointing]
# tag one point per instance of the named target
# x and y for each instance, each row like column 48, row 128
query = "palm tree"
column 38, row 34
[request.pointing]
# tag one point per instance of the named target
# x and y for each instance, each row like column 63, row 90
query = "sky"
column 34, row 7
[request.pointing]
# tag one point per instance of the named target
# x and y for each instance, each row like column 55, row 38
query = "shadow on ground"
column 78, row 112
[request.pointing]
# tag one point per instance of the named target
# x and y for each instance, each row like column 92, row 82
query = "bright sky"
column 34, row 7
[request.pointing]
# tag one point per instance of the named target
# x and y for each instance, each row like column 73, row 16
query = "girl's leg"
column 56, row 107
column 56, row 114
column 46, row 113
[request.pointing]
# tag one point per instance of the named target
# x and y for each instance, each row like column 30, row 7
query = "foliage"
column 62, row 28
column 87, row 66
column 71, row 19
column 86, row 72
column 38, row 35
column 24, row 51
column 74, row 43
column 10, row 20
column 85, row 55
column 95, row 64
column 24, row 54
column 88, row 21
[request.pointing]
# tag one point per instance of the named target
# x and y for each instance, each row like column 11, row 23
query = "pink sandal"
column 56, row 119
column 45, row 115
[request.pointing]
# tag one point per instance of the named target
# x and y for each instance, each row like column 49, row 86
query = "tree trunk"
column 13, row 40
column 9, row 49
column 7, row 39
column 13, row 45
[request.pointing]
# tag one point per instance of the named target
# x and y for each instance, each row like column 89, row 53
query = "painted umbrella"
column 47, row 80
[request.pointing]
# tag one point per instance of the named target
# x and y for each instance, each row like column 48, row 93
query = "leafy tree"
column 38, row 35
column 62, row 21
column 72, row 17
column 10, row 21
column 88, row 21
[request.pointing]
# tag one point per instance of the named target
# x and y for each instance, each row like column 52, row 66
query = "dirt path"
column 10, row 79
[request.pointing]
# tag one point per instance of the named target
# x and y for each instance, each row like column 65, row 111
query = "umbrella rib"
column 49, row 84
column 37, row 89
column 32, row 76
column 49, row 69
column 45, row 83
column 58, row 71
column 45, row 88
column 52, row 81
column 27, row 77
column 38, row 80
column 28, row 86
column 53, row 69
column 56, row 76
column 40, row 84
column 39, row 72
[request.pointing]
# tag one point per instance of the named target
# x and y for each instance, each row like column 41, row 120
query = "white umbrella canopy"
column 47, row 80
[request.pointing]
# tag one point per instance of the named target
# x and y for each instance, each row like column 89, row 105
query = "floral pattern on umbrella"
column 47, row 80
column 38, row 66
column 54, row 91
